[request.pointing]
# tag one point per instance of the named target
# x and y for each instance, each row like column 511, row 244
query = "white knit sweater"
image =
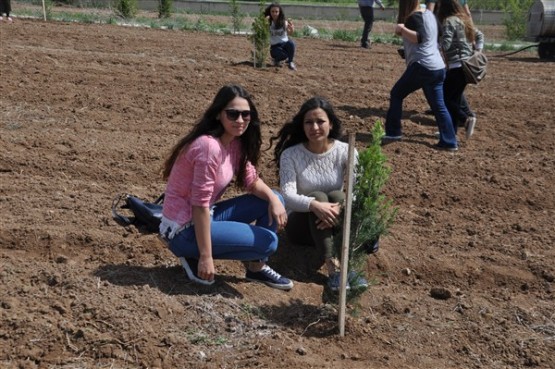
column 302, row 172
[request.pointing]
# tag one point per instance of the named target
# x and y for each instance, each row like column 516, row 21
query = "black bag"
column 146, row 215
column 475, row 68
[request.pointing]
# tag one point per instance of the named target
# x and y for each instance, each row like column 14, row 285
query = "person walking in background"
column 460, row 39
column 224, row 144
column 312, row 165
column 425, row 69
column 281, row 46
column 6, row 8
column 366, row 8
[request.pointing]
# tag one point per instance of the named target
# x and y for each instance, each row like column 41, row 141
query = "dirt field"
column 88, row 111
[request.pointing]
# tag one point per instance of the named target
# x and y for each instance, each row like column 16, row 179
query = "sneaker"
column 371, row 246
column 276, row 63
column 366, row 46
column 469, row 125
column 191, row 268
column 356, row 281
column 443, row 147
column 292, row 66
column 334, row 281
column 10, row 19
column 389, row 139
column 269, row 277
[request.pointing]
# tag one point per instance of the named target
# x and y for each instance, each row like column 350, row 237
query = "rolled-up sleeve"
column 204, row 154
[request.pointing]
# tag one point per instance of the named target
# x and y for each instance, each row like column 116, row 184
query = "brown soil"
column 88, row 111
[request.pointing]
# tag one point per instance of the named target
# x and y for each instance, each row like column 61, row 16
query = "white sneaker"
column 469, row 125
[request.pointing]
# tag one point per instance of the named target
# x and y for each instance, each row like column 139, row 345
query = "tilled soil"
column 463, row 280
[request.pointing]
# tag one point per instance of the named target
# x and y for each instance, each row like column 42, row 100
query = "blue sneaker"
column 334, row 281
column 269, row 277
column 191, row 268
column 356, row 281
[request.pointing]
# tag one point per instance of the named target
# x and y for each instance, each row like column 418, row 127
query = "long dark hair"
column 210, row 125
column 292, row 132
column 450, row 8
column 406, row 8
column 280, row 23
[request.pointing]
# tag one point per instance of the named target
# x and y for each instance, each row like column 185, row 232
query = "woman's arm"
column 201, row 220
column 410, row 35
column 276, row 210
column 290, row 27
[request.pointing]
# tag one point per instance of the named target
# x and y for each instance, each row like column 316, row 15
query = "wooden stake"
column 346, row 235
column 44, row 10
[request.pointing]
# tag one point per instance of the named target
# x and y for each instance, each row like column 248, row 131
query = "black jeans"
column 301, row 227
column 367, row 13
column 453, row 89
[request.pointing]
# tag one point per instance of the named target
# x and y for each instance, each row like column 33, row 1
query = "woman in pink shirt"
column 223, row 145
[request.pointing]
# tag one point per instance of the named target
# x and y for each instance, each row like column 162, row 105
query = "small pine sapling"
column 236, row 16
column 260, row 37
column 372, row 212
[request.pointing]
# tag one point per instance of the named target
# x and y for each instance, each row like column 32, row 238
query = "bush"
column 165, row 8
column 126, row 8
column 515, row 19
column 260, row 37
column 236, row 16
column 372, row 212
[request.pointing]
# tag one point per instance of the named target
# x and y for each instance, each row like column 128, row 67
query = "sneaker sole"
column 192, row 276
column 283, row 287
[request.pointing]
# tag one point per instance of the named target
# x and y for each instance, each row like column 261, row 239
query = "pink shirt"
column 200, row 176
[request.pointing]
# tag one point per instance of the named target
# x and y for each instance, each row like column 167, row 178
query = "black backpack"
column 146, row 215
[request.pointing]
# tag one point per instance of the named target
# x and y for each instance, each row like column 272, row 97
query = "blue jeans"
column 431, row 81
column 232, row 235
column 283, row 51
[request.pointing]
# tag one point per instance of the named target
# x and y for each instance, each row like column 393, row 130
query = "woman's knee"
column 336, row 196
column 319, row 196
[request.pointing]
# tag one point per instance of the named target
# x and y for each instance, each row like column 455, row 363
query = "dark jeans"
column 283, row 51
column 367, row 14
column 298, row 223
column 431, row 81
column 453, row 93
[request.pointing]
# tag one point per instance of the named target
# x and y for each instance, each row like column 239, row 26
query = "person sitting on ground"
column 225, row 143
column 312, row 165
column 459, row 40
column 425, row 69
column 281, row 46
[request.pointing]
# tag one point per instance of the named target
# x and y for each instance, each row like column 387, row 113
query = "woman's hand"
column 206, row 268
column 277, row 213
column 326, row 212
column 399, row 29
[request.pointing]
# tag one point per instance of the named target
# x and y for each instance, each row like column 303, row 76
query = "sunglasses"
column 233, row 114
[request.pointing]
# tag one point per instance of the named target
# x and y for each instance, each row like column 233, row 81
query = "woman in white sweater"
column 312, row 166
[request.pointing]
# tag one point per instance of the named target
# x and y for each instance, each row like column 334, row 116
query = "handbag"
column 146, row 215
column 475, row 67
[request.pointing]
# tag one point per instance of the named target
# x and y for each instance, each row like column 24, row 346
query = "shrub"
column 515, row 19
column 126, row 8
column 260, row 37
column 236, row 16
column 372, row 213
column 165, row 8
